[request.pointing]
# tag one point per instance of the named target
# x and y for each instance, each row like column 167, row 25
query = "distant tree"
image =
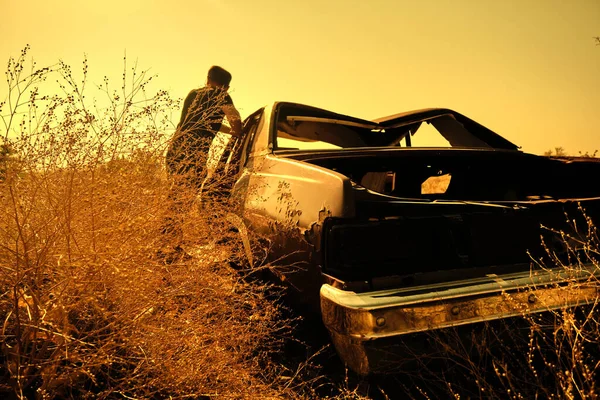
column 588, row 154
column 557, row 152
column 561, row 152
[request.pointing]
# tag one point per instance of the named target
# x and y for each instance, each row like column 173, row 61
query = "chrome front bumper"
column 356, row 318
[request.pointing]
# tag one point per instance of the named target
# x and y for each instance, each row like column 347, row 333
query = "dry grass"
column 89, row 310
column 550, row 355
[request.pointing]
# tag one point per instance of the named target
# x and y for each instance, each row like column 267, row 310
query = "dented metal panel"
column 358, row 321
column 372, row 315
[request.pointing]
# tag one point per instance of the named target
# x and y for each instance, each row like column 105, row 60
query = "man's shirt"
column 202, row 114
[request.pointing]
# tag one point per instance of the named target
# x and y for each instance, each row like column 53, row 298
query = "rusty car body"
column 389, row 233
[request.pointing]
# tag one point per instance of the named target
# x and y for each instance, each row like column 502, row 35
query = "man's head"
column 218, row 76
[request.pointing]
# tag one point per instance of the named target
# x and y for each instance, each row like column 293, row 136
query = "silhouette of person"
column 201, row 119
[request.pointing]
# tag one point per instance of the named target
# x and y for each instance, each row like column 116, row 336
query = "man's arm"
column 234, row 119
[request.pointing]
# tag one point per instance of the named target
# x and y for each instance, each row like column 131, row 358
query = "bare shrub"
column 88, row 309
column 550, row 354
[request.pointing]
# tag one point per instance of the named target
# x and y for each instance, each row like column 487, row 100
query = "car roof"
column 480, row 131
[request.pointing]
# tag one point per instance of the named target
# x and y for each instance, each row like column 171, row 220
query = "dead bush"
column 553, row 354
column 88, row 308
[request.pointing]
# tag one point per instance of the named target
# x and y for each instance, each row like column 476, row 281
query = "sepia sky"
column 528, row 69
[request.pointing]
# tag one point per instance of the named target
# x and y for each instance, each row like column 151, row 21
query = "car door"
column 241, row 162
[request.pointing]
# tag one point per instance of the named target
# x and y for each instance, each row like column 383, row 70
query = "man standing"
column 201, row 119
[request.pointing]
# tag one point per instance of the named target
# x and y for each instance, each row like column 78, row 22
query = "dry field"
column 88, row 309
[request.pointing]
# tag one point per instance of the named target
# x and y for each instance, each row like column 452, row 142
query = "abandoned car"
column 415, row 222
